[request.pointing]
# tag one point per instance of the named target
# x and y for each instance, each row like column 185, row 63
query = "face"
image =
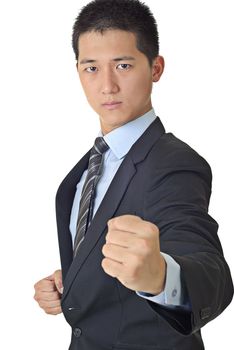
column 116, row 77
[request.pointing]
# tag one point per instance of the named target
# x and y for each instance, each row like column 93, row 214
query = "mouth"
column 112, row 105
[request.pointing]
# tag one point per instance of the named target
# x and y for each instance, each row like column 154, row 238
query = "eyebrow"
column 117, row 59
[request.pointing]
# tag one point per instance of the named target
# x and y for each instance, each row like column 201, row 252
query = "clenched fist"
column 48, row 293
column 132, row 254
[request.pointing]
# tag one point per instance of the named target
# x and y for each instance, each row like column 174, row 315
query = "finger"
column 111, row 267
column 132, row 243
column 53, row 311
column 58, row 281
column 115, row 252
column 45, row 285
column 121, row 238
column 49, row 278
column 44, row 304
column 133, row 224
column 124, row 222
column 48, row 296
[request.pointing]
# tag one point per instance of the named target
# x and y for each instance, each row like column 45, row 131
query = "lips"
column 111, row 105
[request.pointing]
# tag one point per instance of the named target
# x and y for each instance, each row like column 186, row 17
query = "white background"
column 44, row 117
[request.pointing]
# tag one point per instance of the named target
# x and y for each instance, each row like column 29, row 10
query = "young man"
column 142, row 264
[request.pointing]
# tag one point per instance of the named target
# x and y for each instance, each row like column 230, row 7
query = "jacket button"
column 77, row 332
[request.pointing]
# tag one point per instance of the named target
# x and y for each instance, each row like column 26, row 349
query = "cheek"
column 139, row 88
column 89, row 90
column 142, row 79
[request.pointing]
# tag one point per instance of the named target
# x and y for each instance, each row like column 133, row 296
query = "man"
column 142, row 265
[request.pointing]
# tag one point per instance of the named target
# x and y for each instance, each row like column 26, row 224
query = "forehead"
column 110, row 42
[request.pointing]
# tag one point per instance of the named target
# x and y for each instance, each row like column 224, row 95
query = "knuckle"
column 57, row 311
column 111, row 223
column 139, row 265
column 115, row 222
column 47, row 311
column 104, row 249
column 133, row 274
column 152, row 228
column 54, row 313
column 134, row 262
column 37, row 285
column 104, row 263
column 109, row 236
column 41, row 304
column 145, row 245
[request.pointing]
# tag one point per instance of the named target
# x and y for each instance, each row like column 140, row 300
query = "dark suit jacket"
column 163, row 181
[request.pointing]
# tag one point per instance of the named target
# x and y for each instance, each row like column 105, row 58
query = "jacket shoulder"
column 175, row 153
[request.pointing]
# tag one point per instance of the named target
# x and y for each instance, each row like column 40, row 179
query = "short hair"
column 129, row 15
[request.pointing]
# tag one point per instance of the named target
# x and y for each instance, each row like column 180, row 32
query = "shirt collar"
column 120, row 140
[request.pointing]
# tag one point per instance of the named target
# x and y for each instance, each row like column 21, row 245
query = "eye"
column 124, row 66
column 91, row 69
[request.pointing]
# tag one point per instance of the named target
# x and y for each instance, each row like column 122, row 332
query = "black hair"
column 129, row 15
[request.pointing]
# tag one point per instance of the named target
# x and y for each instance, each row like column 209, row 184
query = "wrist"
column 157, row 284
column 160, row 281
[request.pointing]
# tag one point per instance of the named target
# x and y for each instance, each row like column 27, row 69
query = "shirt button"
column 174, row 293
column 77, row 332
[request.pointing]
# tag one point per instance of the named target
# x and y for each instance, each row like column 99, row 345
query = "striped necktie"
column 88, row 190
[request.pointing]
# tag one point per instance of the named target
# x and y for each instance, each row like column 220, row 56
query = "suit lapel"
column 112, row 198
column 64, row 200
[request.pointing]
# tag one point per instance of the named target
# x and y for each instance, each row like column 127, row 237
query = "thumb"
column 58, row 281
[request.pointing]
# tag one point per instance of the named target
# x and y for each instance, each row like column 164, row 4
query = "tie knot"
column 100, row 145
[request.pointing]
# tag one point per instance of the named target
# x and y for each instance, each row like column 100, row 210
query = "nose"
column 109, row 83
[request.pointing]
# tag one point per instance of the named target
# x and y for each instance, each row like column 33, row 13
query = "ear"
column 157, row 68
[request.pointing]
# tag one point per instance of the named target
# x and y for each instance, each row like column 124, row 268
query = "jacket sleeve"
column 176, row 200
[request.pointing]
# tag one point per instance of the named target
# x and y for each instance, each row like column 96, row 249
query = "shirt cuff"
column 172, row 293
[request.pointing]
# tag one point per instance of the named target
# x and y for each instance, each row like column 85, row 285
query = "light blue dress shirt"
column 120, row 141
